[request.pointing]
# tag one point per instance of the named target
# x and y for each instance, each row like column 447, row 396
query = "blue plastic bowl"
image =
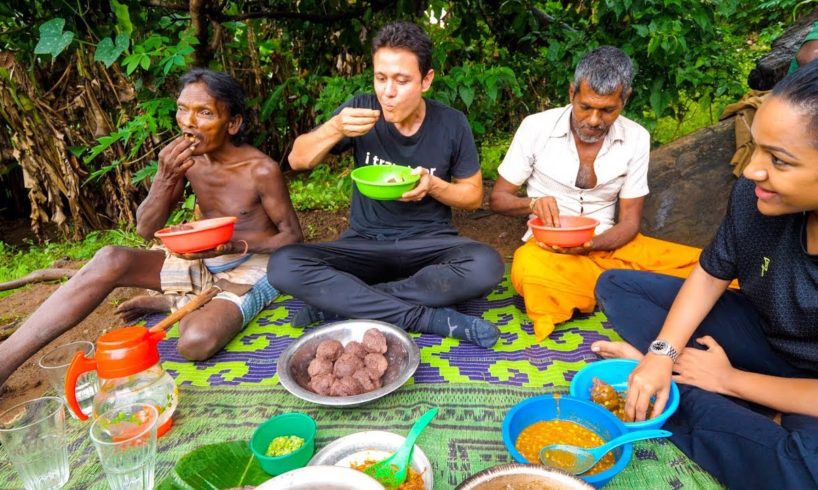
column 590, row 415
column 615, row 372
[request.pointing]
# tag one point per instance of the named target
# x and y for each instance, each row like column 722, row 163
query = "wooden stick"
column 38, row 276
column 194, row 304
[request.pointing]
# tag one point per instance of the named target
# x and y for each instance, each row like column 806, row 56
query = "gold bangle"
column 532, row 202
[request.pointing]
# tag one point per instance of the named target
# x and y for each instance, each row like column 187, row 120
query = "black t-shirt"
column 444, row 144
column 768, row 256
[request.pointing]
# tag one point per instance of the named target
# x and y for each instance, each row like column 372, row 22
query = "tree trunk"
column 773, row 67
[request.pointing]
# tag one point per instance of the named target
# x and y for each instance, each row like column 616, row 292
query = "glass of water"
column 55, row 365
column 125, row 438
column 33, row 435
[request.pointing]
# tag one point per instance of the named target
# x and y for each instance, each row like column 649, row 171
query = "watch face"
column 659, row 345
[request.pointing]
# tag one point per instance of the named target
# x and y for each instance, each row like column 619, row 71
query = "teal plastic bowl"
column 590, row 415
column 288, row 424
column 384, row 182
column 615, row 372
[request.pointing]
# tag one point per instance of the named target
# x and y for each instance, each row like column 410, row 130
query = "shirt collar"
column 563, row 127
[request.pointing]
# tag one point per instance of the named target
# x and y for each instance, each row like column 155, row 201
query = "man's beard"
column 590, row 139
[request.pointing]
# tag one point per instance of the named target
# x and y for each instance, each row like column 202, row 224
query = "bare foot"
column 136, row 308
column 616, row 350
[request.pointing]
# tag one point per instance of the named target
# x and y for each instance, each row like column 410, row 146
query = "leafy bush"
column 325, row 187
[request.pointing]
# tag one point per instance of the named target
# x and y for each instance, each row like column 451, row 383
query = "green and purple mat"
column 226, row 397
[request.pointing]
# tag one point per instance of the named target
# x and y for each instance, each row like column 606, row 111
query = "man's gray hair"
column 605, row 69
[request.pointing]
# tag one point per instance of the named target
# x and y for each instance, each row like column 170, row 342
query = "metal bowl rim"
column 346, row 401
column 511, row 469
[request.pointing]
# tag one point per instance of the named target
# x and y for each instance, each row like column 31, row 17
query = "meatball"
column 374, row 341
column 377, row 363
column 319, row 366
column 330, row 350
column 346, row 386
column 346, row 365
column 322, row 384
column 374, row 376
column 355, row 348
column 362, row 377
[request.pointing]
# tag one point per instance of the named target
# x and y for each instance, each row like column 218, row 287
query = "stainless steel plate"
column 323, row 478
column 355, row 448
column 402, row 355
column 523, row 477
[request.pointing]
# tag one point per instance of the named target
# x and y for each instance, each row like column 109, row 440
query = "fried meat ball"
column 330, row 350
column 319, row 366
column 346, row 365
column 356, row 348
column 366, row 382
column 377, row 363
column 322, row 384
column 346, row 386
column 374, row 341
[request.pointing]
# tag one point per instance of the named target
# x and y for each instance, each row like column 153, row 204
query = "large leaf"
column 123, row 18
column 53, row 40
column 108, row 51
column 216, row 466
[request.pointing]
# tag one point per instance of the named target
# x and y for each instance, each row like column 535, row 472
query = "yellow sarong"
column 554, row 284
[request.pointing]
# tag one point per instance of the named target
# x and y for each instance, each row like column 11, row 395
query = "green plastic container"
column 288, row 424
column 384, row 182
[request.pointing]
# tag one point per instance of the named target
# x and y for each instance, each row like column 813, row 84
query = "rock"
column 690, row 181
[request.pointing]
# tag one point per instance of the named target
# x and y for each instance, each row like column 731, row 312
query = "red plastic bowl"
column 573, row 231
column 202, row 235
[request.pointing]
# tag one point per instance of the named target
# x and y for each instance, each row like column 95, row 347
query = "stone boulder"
column 690, row 181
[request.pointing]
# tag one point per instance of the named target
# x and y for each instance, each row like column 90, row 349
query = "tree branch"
column 317, row 18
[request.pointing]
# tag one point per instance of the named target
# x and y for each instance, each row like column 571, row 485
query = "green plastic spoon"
column 577, row 460
column 392, row 471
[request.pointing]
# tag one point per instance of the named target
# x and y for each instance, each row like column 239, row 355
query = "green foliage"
column 476, row 89
column 16, row 262
column 324, row 187
column 337, row 90
column 154, row 119
column 492, row 151
column 53, row 40
column 108, row 51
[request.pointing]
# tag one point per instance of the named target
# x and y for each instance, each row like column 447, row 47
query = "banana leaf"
column 216, row 466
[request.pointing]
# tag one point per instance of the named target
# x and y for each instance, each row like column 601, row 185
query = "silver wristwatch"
column 663, row 348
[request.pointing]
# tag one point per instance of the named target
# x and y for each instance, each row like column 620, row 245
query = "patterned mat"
column 463, row 439
column 517, row 359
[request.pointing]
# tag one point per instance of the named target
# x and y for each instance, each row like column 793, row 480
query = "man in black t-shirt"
column 400, row 261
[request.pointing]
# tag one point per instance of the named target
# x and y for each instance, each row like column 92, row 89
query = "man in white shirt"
column 582, row 160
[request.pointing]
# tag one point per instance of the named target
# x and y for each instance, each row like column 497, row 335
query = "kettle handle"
column 79, row 365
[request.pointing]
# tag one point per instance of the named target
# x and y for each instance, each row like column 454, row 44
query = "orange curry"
column 544, row 433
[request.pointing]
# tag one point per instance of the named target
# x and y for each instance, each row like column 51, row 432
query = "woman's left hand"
column 708, row 369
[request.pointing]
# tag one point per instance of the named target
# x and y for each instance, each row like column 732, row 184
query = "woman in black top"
column 747, row 362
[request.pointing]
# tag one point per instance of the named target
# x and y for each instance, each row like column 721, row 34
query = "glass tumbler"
column 33, row 435
column 125, row 438
column 55, row 364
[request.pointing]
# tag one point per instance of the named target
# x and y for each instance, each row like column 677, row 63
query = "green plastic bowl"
column 288, row 424
column 384, row 182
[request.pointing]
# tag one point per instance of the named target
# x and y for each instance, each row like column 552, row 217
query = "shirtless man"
column 229, row 178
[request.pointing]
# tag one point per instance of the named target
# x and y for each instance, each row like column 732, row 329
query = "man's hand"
column 175, row 159
column 708, row 369
column 223, row 249
column 584, row 249
column 422, row 189
column 352, row 122
column 547, row 210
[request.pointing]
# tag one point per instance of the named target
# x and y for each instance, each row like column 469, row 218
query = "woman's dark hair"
column 408, row 36
column 224, row 88
column 801, row 90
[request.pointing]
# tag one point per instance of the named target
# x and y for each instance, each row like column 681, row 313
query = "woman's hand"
column 650, row 378
column 708, row 369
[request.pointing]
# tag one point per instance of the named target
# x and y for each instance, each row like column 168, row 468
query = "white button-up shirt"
column 543, row 155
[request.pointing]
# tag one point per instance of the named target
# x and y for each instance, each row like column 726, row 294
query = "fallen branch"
column 41, row 275
column 7, row 330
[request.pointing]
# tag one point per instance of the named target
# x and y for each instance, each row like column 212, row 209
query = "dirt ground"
column 502, row 233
